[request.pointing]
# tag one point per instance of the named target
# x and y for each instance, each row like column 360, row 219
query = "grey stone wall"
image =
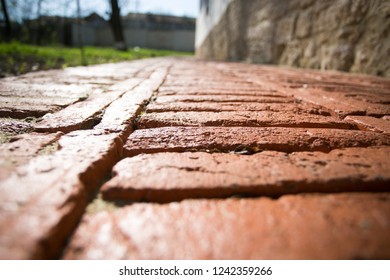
column 347, row 35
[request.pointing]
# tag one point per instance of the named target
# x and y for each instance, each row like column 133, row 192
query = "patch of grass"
column 99, row 204
column 17, row 58
column 49, row 149
column 5, row 137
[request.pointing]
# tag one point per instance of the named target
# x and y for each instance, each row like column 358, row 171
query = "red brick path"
column 181, row 159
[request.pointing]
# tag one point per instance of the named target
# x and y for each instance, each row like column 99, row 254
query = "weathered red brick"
column 220, row 91
column 16, row 97
column 88, row 113
column 120, row 115
column 242, row 118
column 25, row 111
column 342, row 105
column 330, row 81
column 31, row 90
column 42, row 201
column 236, row 106
column 247, row 139
column 94, row 75
column 370, row 123
column 345, row 94
column 341, row 226
column 39, row 93
column 164, row 177
column 80, row 115
column 21, row 148
column 222, row 98
column 42, row 197
column 19, row 107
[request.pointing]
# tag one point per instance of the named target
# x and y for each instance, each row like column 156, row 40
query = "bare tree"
column 39, row 23
column 116, row 25
column 8, row 29
column 79, row 35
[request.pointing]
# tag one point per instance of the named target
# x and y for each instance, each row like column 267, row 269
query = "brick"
column 27, row 144
column 25, row 111
column 165, row 177
column 93, row 75
column 221, row 98
column 339, row 108
column 218, row 84
column 370, row 123
column 223, row 151
column 21, row 148
column 341, row 104
column 14, row 89
column 112, row 71
column 84, row 114
column 247, row 139
column 87, row 114
column 235, row 106
column 38, row 99
column 330, row 81
column 23, row 107
column 120, row 115
column 42, row 201
column 39, row 93
column 80, row 115
column 226, row 90
column 345, row 94
column 335, row 226
column 242, row 118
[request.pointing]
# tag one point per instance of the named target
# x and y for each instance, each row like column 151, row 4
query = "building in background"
column 347, row 35
column 141, row 30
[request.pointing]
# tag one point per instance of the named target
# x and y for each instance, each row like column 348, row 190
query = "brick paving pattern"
column 184, row 159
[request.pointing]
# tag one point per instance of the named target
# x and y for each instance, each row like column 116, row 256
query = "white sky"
column 28, row 8
column 172, row 7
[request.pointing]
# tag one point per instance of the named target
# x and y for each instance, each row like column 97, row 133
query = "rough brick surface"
column 341, row 105
column 88, row 113
column 292, row 227
column 247, row 139
column 172, row 130
column 42, row 201
column 222, row 98
column 370, row 123
column 166, row 177
column 342, row 93
column 37, row 99
column 121, row 114
column 21, row 148
column 242, row 118
column 235, row 106
column 77, row 116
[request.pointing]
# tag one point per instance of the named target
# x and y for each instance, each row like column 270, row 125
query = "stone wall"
column 347, row 35
column 210, row 14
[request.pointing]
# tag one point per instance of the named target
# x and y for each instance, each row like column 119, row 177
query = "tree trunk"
column 79, row 35
column 38, row 31
column 8, row 30
column 116, row 25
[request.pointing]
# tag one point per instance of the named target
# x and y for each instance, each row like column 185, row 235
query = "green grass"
column 17, row 58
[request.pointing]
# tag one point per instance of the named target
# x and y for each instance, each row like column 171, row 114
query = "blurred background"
column 44, row 34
